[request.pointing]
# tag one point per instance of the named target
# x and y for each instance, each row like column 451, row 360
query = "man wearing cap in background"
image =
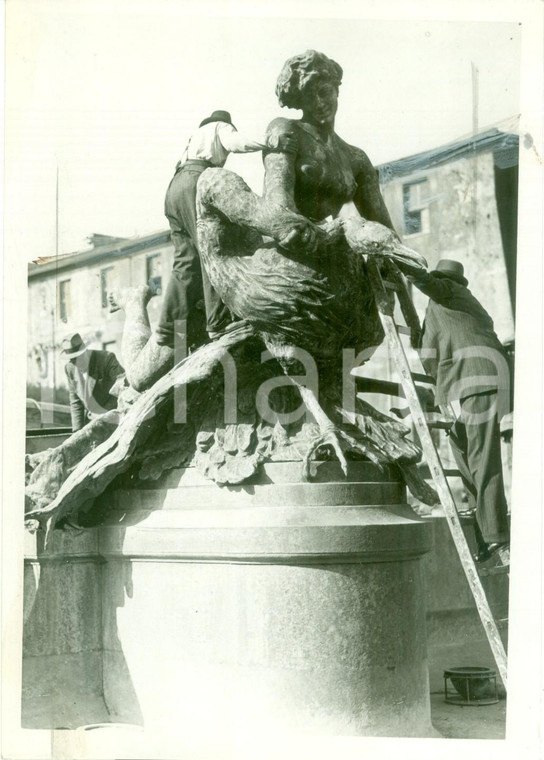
column 91, row 375
column 208, row 146
column 459, row 348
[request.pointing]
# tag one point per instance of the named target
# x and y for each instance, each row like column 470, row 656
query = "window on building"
column 106, row 284
column 153, row 269
column 415, row 204
column 65, row 301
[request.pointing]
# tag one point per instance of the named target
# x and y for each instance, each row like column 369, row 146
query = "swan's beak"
column 406, row 257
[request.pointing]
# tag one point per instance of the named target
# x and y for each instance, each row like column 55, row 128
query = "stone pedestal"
column 275, row 606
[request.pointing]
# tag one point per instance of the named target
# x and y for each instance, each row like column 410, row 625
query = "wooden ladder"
column 395, row 284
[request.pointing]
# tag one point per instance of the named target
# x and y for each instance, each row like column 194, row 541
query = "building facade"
column 69, row 294
column 460, row 202
column 457, row 201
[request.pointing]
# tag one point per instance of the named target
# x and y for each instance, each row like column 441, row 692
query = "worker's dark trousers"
column 476, row 446
column 189, row 283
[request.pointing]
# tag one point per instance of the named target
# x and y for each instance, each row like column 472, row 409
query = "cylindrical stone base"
column 233, row 608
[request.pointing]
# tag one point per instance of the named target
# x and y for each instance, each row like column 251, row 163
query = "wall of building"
column 87, row 316
column 463, row 224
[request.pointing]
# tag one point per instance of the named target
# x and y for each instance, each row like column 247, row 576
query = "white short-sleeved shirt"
column 213, row 142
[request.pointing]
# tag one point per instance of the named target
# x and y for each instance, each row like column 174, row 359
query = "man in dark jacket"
column 460, row 349
column 90, row 376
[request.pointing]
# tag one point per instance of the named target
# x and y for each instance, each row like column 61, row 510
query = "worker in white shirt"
column 209, row 146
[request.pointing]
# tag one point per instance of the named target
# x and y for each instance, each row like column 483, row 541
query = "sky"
column 109, row 94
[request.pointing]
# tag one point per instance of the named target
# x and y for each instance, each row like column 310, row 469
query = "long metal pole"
column 56, row 279
column 57, row 215
column 475, row 96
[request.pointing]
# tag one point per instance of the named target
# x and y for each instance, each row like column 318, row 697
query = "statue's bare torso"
column 324, row 174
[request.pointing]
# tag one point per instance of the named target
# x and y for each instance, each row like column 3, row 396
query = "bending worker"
column 460, row 349
column 208, row 146
column 90, row 374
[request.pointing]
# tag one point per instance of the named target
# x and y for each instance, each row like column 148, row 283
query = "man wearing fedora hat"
column 90, row 374
column 208, row 146
column 461, row 350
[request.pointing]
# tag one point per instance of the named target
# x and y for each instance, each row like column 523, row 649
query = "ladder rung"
column 373, row 385
column 390, row 285
column 498, row 570
column 419, row 378
column 426, row 473
column 439, row 424
column 403, row 330
column 431, row 418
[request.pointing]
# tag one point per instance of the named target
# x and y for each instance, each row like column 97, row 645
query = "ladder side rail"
column 435, row 466
column 406, row 304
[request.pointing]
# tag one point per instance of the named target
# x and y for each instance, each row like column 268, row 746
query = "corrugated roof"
column 501, row 139
column 45, row 266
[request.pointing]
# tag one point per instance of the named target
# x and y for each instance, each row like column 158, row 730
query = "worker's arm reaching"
column 235, row 142
column 439, row 289
column 78, row 412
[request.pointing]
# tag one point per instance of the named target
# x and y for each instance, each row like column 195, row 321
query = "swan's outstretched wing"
column 113, row 456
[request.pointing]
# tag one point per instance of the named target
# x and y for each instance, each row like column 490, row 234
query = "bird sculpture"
column 306, row 288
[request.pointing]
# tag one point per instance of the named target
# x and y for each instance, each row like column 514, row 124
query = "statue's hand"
column 281, row 142
column 302, row 235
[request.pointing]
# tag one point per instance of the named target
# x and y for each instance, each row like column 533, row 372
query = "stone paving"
column 468, row 722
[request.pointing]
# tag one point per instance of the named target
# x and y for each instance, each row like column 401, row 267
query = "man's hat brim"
column 73, row 354
column 213, row 118
column 451, row 276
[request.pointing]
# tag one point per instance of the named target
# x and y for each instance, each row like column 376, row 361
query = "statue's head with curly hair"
column 299, row 71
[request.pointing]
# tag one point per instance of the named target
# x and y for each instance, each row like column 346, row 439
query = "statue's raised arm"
column 368, row 197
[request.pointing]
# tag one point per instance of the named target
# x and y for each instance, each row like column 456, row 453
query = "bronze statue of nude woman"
column 301, row 190
column 291, row 266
